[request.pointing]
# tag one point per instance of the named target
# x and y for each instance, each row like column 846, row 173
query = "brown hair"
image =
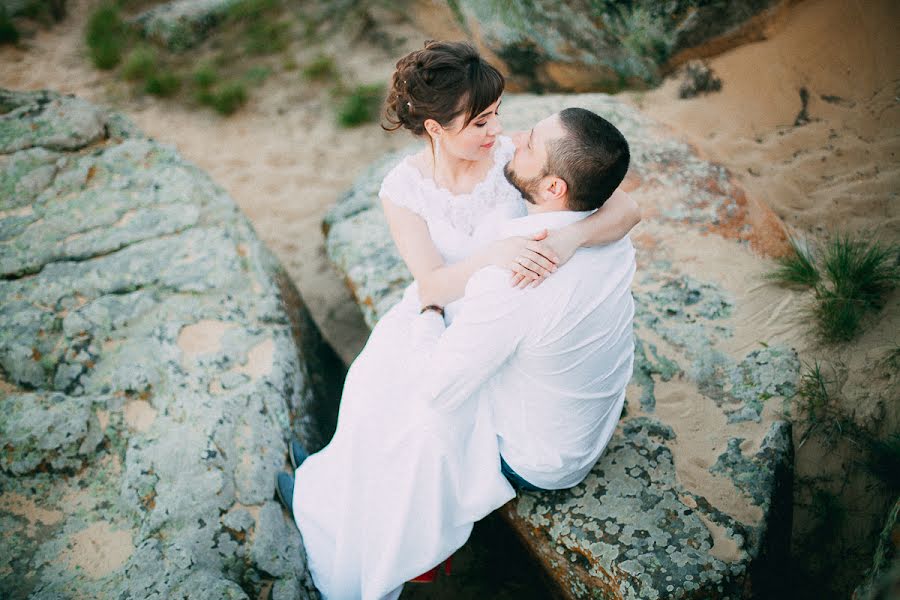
column 440, row 82
column 592, row 158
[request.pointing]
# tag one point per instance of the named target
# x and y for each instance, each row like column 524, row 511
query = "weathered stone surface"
column 182, row 24
column 585, row 45
column 155, row 359
column 692, row 498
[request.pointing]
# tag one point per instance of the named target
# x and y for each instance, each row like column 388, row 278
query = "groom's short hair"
column 592, row 158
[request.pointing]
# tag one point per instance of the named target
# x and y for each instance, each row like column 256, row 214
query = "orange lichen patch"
column 242, row 249
column 139, row 415
column 630, row 183
column 260, row 360
column 644, row 240
column 203, row 337
column 99, row 549
column 35, row 354
column 752, row 221
column 90, row 174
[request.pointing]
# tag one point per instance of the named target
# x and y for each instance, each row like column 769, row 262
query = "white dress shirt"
column 552, row 362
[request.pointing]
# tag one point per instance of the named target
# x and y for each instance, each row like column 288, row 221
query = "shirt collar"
column 544, row 220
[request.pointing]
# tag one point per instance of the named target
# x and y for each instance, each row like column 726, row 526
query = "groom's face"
column 527, row 170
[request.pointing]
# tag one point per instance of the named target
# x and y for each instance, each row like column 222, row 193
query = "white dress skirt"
column 399, row 487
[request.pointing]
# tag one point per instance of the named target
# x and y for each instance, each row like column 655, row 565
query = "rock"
column 882, row 580
column 581, row 46
column 692, row 498
column 698, row 78
column 182, row 24
column 155, row 361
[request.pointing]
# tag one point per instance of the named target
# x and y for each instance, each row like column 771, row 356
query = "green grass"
column 320, row 68
column 229, row 98
column 798, row 268
column 851, row 277
column 106, row 36
column 140, row 64
column 205, row 76
column 8, row 32
column 813, row 390
column 263, row 31
column 165, row 84
column 360, row 106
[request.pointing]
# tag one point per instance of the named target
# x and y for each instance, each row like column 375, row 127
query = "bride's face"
column 475, row 140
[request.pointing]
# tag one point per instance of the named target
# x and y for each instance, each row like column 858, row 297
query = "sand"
column 839, row 171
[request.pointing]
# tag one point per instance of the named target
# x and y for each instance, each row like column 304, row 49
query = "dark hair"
column 440, row 82
column 592, row 158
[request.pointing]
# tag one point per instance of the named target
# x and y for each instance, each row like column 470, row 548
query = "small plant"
column 205, row 76
column 360, row 106
column 106, row 36
column 8, row 32
column 256, row 75
column 163, row 84
column 230, row 98
column 813, row 391
column 139, row 64
column 321, row 67
column 798, row 268
column 851, row 280
column 266, row 37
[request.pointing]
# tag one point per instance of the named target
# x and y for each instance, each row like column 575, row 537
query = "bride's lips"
column 488, row 145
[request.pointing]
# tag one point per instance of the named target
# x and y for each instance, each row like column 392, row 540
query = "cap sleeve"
column 401, row 188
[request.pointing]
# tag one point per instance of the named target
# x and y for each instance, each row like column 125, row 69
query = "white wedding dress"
column 399, row 487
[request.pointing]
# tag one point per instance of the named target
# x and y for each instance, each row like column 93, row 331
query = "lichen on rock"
column 155, row 359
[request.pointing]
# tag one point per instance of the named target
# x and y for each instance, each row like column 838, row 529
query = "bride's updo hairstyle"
column 440, row 82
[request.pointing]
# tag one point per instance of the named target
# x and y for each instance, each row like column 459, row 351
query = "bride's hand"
column 559, row 243
column 528, row 258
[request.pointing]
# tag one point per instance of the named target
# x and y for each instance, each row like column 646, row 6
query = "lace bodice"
column 458, row 223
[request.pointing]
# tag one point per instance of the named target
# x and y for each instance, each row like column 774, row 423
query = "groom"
column 552, row 361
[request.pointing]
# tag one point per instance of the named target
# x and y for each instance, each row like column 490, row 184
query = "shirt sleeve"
column 487, row 330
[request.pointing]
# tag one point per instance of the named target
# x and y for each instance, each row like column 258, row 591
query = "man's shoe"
column 284, row 489
column 298, row 453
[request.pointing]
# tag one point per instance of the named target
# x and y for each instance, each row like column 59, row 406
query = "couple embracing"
column 504, row 366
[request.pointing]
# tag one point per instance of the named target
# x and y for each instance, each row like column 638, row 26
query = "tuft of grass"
column 266, row 37
column 256, row 75
column 8, row 32
column 361, row 105
column 320, row 68
column 851, row 279
column 229, row 98
column 106, row 36
column 205, row 76
column 140, row 64
column 813, row 390
column 798, row 268
column 163, row 84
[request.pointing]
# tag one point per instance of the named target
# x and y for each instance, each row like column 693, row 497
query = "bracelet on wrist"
column 438, row 309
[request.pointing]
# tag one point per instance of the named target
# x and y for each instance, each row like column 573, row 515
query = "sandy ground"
column 839, row 171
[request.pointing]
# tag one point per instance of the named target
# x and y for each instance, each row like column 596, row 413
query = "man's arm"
column 492, row 321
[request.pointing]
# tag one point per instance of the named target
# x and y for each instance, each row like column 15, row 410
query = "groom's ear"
column 556, row 188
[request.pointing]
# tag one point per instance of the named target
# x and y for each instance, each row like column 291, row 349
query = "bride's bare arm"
column 618, row 215
column 440, row 283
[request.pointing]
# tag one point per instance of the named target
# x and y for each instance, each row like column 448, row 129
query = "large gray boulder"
column 586, row 45
column 692, row 498
column 154, row 358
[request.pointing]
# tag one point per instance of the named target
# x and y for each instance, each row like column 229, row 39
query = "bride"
column 395, row 493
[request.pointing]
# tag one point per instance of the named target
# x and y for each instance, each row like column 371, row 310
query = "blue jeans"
column 516, row 480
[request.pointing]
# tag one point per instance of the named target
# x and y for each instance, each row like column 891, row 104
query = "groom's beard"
column 526, row 187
